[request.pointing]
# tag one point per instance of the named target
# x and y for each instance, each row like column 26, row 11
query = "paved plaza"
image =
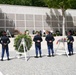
column 58, row 65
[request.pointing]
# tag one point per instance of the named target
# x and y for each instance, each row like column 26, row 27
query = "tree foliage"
column 73, row 4
column 24, row 2
column 63, row 4
column 43, row 3
column 38, row 3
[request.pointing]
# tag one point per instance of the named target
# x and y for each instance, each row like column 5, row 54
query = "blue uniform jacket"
column 70, row 39
column 4, row 41
column 36, row 38
column 48, row 38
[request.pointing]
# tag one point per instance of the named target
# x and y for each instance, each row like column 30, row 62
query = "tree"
column 16, row 2
column 38, row 3
column 24, row 2
column 63, row 5
column 73, row 4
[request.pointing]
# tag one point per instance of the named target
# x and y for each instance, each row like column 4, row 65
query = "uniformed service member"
column 37, row 39
column 4, row 41
column 49, row 38
column 70, row 41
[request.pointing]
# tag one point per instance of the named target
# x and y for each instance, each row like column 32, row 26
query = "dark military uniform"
column 5, row 41
column 49, row 38
column 37, row 44
column 70, row 40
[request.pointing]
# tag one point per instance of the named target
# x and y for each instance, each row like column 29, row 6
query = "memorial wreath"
column 27, row 40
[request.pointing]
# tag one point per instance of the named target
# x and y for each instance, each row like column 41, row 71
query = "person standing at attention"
column 4, row 41
column 37, row 39
column 49, row 38
column 70, row 41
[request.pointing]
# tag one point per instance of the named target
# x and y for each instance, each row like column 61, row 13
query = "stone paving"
column 58, row 65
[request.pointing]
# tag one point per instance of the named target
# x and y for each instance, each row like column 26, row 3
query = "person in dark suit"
column 49, row 38
column 70, row 41
column 37, row 39
column 4, row 41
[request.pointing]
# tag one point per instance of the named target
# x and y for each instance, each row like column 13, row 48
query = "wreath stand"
column 64, row 45
column 24, row 48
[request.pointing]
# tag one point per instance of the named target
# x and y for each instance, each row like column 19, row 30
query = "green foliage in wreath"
column 18, row 39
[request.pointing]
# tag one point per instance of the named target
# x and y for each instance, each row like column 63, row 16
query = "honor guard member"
column 49, row 38
column 37, row 39
column 70, row 41
column 5, row 41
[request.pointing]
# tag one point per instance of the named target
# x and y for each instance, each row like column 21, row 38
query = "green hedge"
column 18, row 39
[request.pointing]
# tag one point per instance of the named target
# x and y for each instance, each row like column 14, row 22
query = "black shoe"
column 1, row 59
column 40, row 56
column 53, row 55
column 69, row 54
column 8, row 59
column 49, row 55
column 36, row 56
